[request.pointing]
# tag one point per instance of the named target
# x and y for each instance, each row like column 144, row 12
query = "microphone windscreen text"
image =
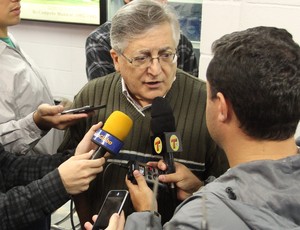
column 110, row 138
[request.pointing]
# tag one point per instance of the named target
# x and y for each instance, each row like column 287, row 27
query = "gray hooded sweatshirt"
column 257, row 195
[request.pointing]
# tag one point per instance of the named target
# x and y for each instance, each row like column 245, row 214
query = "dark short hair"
column 258, row 71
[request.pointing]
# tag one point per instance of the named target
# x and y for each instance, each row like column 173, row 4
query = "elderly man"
column 144, row 37
column 99, row 62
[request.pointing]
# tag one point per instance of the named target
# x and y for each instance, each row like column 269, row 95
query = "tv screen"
column 91, row 12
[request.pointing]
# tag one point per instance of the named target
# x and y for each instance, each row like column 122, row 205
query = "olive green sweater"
column 187, row 98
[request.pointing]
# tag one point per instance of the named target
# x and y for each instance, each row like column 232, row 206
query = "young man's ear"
column 222, row 107
column 115, row 58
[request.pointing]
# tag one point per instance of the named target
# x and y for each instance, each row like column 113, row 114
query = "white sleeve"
column 20, row 136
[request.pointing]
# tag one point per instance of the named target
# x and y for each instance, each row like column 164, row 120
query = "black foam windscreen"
column 162, row 116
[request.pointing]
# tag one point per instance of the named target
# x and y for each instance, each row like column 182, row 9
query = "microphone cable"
column 151, row 220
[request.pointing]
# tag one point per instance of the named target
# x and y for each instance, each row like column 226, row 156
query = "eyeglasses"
column 146, row 60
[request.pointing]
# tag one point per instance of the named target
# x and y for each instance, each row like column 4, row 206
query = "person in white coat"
column 23, row 88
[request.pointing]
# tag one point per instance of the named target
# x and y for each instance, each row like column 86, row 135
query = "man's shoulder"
column 102, row 31
column 184, row 42
column 96, row 82
column 184, row 76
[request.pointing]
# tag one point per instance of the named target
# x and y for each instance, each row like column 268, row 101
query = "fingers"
column 94, row 218
column 48, row 116
column 92, row 130
column 77, row 172
column 169, row 178
column 88, row 226
column 84, row 155
column 140, row 179
column 181, row 173
column 46, row 109
column 97, row 126
column 121, row 221
column 113, row 222
column 161, row 165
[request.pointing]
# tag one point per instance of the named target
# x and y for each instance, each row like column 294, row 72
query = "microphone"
column 110, row 138
column 165, row 139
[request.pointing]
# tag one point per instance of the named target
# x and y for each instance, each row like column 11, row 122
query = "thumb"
column 113, row 222
column 46, row 109
column 167, row 178
column 140, row 179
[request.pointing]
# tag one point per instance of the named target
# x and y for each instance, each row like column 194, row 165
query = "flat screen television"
column 90, row 12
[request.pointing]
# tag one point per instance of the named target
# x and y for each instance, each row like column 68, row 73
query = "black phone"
column 113, row 203
column 84, row 109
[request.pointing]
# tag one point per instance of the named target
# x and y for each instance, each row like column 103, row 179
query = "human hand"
column 116, row 222
column 186, row 182
column 86, row 144
column 78, row 171
column 141, row 195
column 48, row 116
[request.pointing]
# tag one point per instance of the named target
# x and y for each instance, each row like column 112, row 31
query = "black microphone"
column 110, row 138
column 165, row 140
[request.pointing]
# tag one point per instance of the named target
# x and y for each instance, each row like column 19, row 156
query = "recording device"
column 84, row 109
column 150, row 173
column 110, row 138
column 165, row 140
column 113, row 203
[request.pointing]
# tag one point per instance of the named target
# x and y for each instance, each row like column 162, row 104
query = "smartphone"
column 84, row 109
column 113, row 203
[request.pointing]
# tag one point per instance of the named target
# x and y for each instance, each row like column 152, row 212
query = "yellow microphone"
column 110, row 138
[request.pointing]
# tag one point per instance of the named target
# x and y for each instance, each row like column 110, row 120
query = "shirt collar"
column 135, row 104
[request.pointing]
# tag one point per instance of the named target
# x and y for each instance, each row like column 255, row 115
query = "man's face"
column 9, row 13
column 144, row 84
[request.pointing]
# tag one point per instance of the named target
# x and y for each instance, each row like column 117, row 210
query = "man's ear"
column 223, row 107
column 115, row 58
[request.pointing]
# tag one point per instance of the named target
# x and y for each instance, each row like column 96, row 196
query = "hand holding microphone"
column 110, row 138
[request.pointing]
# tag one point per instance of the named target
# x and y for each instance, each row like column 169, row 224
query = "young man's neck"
column 3, row 32
column 246, row 150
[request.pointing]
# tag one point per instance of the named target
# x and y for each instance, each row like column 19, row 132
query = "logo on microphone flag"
column 108, row 141
column 157, row 145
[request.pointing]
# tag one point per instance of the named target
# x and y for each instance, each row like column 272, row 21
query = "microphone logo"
column 157, row 144
column 174, row 143
column 105, row 139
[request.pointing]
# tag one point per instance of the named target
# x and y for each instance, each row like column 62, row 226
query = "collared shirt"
column 99, row 62
column 135, row 104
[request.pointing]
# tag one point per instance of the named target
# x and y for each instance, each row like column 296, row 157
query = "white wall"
column 225, row 16
column 59, row 51
column 220, row 17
